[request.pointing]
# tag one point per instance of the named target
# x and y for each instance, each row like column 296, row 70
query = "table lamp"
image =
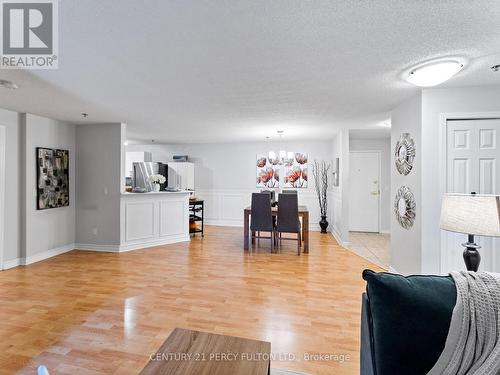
column 474, row 215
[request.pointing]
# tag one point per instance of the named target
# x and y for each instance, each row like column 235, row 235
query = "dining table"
column 303, row 214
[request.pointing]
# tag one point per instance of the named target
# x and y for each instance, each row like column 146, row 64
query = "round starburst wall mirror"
column 404, row 154
column 405, row 207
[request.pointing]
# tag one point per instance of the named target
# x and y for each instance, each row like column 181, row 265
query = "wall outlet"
column 106, row 191
column 94, row 231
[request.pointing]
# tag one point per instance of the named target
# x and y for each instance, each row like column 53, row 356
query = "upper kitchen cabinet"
column 181, row 175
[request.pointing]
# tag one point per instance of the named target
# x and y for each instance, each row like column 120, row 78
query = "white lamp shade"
column 471, row 214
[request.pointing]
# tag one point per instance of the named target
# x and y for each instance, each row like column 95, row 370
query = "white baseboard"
column 48, row 254
column 338, row 237
column 38, row 257
column 95, row 247
column 224, row 223
column 158, row 242
column 132, row 246
column 12, row 263
column 385, row 232
column 91, row 247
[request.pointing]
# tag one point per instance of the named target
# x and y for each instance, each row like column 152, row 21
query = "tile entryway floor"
column 374, row 247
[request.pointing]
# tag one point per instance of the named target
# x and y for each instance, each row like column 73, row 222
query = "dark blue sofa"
column 404, row 322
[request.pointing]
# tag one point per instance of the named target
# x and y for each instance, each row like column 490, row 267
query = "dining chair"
column 261, row 219
column 272, row 194
column 288, row 218
column 289, row 192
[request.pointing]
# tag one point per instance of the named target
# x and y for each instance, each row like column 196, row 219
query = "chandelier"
column 283, row 157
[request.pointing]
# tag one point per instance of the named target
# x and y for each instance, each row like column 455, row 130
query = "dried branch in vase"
column 320, row 174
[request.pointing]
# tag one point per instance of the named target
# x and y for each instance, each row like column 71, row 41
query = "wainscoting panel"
column 170, row 224
column 139, row 220
column 225, row 207
column 152, row 220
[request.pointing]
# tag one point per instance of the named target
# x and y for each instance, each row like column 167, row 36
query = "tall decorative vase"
column 156, row 188
column 323, row 224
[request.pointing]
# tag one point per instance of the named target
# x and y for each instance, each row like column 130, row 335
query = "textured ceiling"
column 205, row 71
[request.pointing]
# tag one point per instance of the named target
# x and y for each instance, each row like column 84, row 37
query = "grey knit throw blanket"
column 473, row 343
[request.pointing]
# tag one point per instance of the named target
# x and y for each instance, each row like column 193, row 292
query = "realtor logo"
column 29, row 34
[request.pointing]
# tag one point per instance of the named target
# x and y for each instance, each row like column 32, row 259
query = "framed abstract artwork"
column 267, row 172
column 295, row 172
column 52, row 175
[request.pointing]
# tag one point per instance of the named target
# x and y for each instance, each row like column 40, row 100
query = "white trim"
column 95, row 247
column 39, row 257
column 48, row 254
column 157, row 242
column 3, row 142
column 92, row 247
column 385, row 232
column 338, row 237
column 132, row 246
column 379, row 152
column 12, row 263
column 443, row 177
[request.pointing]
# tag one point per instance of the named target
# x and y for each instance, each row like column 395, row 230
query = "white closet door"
column 472, row 165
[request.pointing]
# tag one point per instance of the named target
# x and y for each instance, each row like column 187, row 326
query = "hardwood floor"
column 105, row 313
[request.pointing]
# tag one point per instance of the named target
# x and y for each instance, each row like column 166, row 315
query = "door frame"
column 443, row 172
column 379, row 219
column 3, row 142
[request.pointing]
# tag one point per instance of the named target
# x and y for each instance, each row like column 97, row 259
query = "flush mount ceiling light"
column 434, row 73
column 8, row 84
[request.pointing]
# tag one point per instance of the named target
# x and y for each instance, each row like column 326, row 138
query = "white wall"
column 32, row 235
column 384, row 146
column 99, row 183
column 50, row 230
column 435, row 102
column 225, row 173
column 339, row 197
column 419, row 250
column 406, row 256
column 13, row 168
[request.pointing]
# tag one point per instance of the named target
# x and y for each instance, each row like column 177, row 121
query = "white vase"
column 156, row 188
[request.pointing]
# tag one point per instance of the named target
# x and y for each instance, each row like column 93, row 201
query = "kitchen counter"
column 157, row 193
column 153, row 219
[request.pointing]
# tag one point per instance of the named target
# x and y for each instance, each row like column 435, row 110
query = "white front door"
column 364, row 191
column 472, row 165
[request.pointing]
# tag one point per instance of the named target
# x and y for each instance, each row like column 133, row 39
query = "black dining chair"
column 272, row 194
column 288, row 218
column 289, row 192
column 261, row 219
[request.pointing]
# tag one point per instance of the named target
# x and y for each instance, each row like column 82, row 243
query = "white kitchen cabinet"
column 181, row 174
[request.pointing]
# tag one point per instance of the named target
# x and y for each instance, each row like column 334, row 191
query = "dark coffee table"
column 187, row 352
